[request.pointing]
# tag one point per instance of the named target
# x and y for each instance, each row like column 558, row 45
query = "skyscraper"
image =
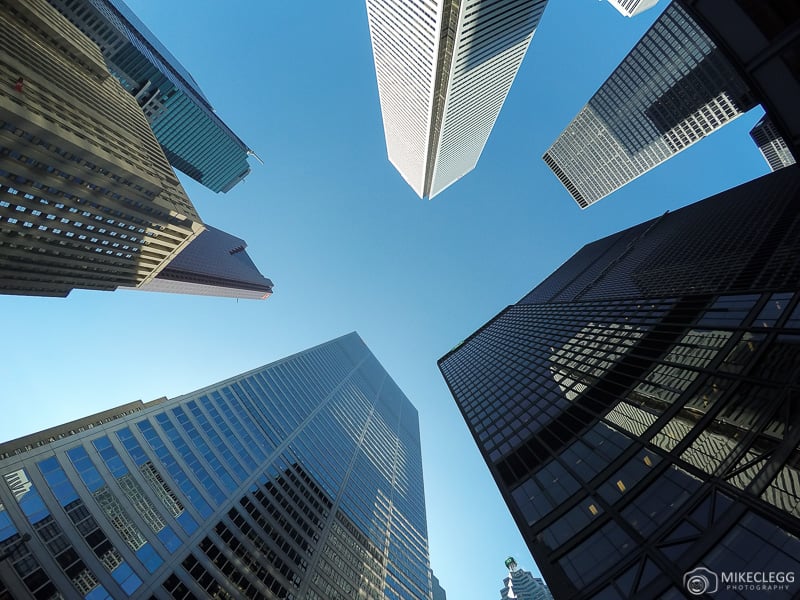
column 631, row 8
column 522, row 585
column 771, row 145
column 195, row 140
column 438, row 590
column 299, row 479
column 214, row 264
column 675, row 87
column 87, row 197
column 444, row 70
column 637, row 408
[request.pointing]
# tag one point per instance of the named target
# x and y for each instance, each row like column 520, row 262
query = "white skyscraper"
column 631, row 8
column 444, row 70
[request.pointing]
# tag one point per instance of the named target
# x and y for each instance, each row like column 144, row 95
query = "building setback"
column 444, row 70
column 637, row 409
column 674, row 88
column 195, row 140
column 301, row 479
column 87, row 197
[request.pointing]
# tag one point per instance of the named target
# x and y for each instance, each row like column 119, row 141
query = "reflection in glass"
column 51, row 534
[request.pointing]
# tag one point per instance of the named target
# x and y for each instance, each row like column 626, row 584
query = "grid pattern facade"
column 771, row 145
column 87, row 198
column 301, row 479
column 674, row 88
column 637, row 435
column 214, row 264
column 444, row 70
column 195, row 140
column 631, row 8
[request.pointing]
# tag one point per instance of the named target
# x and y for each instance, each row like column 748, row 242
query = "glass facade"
column 637, row 409
column 673, row 88
column 194, row 138
column 301, row 479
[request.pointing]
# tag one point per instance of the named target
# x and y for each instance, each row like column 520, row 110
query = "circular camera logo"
column 700, row 581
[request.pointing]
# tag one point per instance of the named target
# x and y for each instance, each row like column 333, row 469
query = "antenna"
column 251, row 153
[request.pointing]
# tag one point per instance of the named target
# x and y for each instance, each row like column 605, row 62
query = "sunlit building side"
column 444, row 70
column 299, row 479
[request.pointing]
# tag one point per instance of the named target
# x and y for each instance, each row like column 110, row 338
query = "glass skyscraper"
column 674, row 87
column 638, row 408
column 195, row 140
column 301, row 479
column 444, row 70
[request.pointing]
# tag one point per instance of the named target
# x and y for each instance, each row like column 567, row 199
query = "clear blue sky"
column 348, row 244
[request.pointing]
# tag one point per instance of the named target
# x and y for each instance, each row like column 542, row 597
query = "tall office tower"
column 638, row 408
column 522, row 585
column 771, row 145
column 195, row 140
column 214, row 264
column 87, row 199
column 444, row 70
column 631, row 8
column 675, row 87
column 763, row 40
column 438, row 590
column 300, row 479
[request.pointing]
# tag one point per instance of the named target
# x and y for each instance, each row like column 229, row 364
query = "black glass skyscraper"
column 301, row 479
column 638, row 409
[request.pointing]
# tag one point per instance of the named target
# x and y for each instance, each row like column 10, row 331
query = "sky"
column 349, row 245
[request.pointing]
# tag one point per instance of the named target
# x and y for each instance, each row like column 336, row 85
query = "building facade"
column 522, row 585
column 444, row 70
column 675, row 87
column 87, row 198
column 762, row 38
column 631, row 8
column 215, row 263
column 438, row 591
column 771, row 144
column 637, row 409
column 301, row 479
column 195, row 140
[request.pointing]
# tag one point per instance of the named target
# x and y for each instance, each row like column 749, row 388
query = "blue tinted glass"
column 86, row 469
column 126, row 578
column 191, row 460
column 98, row 593
column 169, row 539
column 187, row 522
column 186, row 486
column 149, row 557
